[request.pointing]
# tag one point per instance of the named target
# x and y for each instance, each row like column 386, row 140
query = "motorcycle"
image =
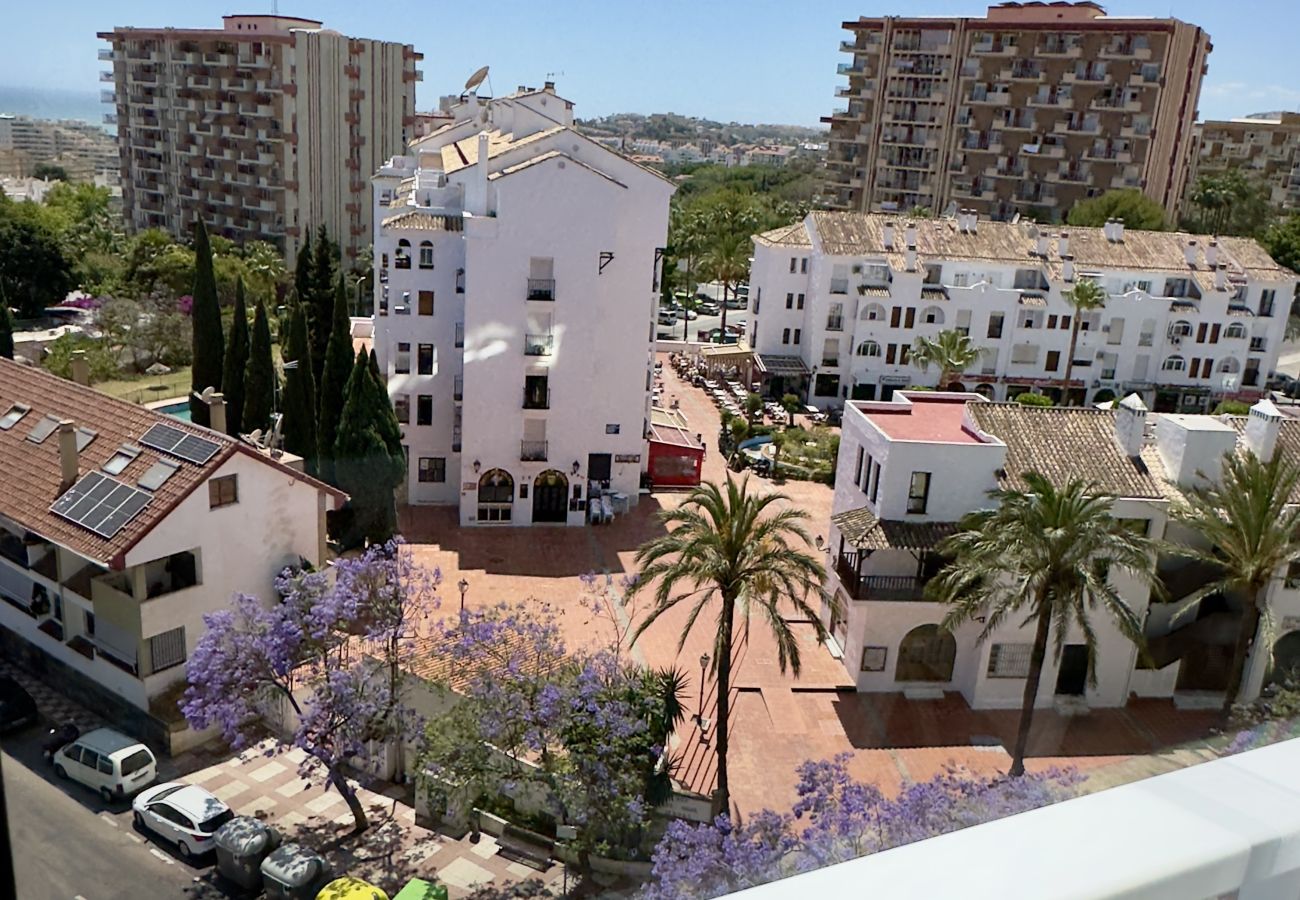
column 58, row 738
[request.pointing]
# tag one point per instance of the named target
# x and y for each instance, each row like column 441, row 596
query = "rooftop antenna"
column 550, row 76
column 476, row 79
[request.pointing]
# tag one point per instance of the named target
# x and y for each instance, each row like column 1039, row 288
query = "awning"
column 934, row 293
column 726, row 352
column 781, row 365
column 1034, row 300
column 865, row 291
column 864, row 531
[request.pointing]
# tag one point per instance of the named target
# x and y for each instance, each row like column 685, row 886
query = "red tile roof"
column 30, row 473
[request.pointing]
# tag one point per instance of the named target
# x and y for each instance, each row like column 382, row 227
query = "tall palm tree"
column 1086, row 296
column 728, row 262
column 736, row 552
column 1253, row 529
column 1044, row 554
column 950, row 350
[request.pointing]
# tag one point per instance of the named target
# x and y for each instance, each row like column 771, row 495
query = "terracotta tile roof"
column 1063, row 443
column 463, row 153
column 865, row 532
column 862, row 234
column 865, row 291
column 795, row 235
column 30, row 473
column 417, row 220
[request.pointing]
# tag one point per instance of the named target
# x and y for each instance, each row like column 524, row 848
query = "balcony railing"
column 537, row 399
column 834, row 323
column 539, row 344
column 896, row 588
column 541, row 289
column 532, row 451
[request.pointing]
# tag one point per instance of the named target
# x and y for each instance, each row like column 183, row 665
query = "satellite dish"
column 476, row 79
column 206, row 395
column 256, row 437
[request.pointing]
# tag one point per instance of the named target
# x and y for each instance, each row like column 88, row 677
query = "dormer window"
column 14, row 416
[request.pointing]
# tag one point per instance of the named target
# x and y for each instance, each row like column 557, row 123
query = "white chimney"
column 1221, row 277
column 80, row 368
column 217, row 412
column 910, row 234
column 1212, row 254
column 1262, row 427
column 1040, row 245
column 889, row 234
column 481, row 176
column 961, row 220
column 1189, row 252
column 1063, row 245
column 910, row 256
column 1067, row 270
column 972, row 220
column 67, row 454
column 1130, row 424
column 1108, row 230
column 1118, row 230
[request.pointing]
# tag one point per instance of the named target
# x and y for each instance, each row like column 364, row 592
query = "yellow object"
column 349, row 888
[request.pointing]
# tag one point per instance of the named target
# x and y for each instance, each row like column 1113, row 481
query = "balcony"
column 541, row 289
column 895, row 588
column 105, row 54
column 537, row 397
column 539, row 344
column 830, row 362
column 839, row 285
column 532, row 451
column 835, row 323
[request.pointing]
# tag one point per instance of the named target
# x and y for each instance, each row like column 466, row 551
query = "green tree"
column 236, row 364
column 1086, row 296
column 736, row 554
column 1229, row 202
column 299, row 396
column 369, row 462
column 259, row 374
column 791, row 404
column 304, row 272
column 208, row 344
column 334, row 380
column 6, row 328
column 34, row 271
column 1253, row 531
column 728, row 263
column 1132, row 207
column 1042, row 556
column 949, row 350
column 319, row 305
column 50, row 172
column 1282, row 241
column 1028, row 398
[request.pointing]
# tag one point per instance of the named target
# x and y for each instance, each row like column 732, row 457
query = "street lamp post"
column 699, row 709
column 464, row 586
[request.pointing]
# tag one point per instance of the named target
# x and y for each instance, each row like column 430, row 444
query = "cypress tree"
column 299, row 397
column 304, row 270
column 205, row 318
column 232, row 374
column 6, row 328
column 319, row 302
column 334, row 380
column 259, row 374
column 369, row 462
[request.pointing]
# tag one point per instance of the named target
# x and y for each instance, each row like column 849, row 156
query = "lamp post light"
column 699, row 709
column 464, row 586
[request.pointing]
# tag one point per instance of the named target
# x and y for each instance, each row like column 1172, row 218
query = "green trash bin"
column 419, row 889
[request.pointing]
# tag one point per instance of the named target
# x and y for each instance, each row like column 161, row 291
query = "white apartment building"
column 515, row 282
column 911, row 467
column 840, row 297
column 112, row 548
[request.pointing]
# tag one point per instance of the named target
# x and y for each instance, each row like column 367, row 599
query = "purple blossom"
column 185, row 304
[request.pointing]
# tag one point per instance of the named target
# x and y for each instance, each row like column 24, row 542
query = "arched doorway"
column 955, row 387
column 496, row 496
column 927, row 653
column 550, row 497
column 986, row 391
column 1105, row 395
column 1286, row 658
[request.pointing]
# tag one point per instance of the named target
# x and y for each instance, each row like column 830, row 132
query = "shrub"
column 1034, row 400
column 58, row 357
column 1232, row 408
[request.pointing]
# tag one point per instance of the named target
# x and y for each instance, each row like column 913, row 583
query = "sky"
column 747, row 61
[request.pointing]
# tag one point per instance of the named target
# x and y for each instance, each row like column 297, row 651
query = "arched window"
column 932, row 315
column 927, row 653
column 402, row 258
column 1173, row 364
column 426, row 254
column 1229, row 365
column 868, row 348
column 872, row 312
column 1235, row 330
column 985, row 390
column 496, row 494
column 1180, row 329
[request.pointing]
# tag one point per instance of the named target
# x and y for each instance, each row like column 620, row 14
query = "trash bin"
column 294, row 873
column 242, row 844
column 419, row 889
column 350, row 888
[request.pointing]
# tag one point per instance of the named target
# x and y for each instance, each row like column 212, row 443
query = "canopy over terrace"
column 862, row 534
column 721, row 359
column 783, row 374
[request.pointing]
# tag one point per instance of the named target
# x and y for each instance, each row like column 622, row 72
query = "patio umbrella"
column 159, row 369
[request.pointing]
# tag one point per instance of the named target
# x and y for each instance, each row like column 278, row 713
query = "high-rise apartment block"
column 267, row 127
column 1028, row 110
column 81, row 149
column 1265, row 147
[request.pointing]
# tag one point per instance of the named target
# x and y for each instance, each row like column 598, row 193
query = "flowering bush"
column 185, row 304
column 835, row 819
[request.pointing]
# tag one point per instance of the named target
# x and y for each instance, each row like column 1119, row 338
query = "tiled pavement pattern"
column 54, row 707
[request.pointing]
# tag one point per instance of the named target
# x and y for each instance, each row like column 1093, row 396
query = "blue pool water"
column 176, row 410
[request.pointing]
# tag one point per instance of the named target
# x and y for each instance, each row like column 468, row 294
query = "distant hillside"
column 672, row 127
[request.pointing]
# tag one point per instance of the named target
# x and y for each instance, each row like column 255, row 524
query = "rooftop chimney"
column 80, row 368
column 1040, row 245
column 1189, row 252
column 217, row 412
column 1130, row 424
column 972, row 218
column 910, row 257
column 548, row 86
column 889, row 234
column 1262, row 427
column 1067, row 270
column 1063, row 245
column 1118, row 230
column 1221, row 277
column 1108, row 230
column 1212, row 254
column 910, row 235
column 67, row 454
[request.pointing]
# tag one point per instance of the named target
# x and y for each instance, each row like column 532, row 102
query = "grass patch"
column 148, row 388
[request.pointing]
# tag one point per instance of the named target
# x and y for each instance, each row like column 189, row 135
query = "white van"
column 108, row 762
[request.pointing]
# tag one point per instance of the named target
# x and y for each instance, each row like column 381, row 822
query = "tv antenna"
column 550, row 76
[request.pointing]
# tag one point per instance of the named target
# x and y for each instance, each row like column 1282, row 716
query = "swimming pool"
column 176, row 410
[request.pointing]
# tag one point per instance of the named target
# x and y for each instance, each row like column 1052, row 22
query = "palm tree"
column 1045, row 554
column 950, row 350
column 1253, row 530
column 728, row 262
column 1086, row 296
column 743, row 551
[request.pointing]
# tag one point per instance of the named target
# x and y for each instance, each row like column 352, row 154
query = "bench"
column 527, row 847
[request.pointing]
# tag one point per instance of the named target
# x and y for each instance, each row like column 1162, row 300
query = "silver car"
column 186, row 815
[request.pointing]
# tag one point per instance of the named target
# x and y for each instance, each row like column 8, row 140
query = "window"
column 425, row 359
column 459, row 340
column 402, row 408
column 1266, row 299
column 797, row 332
column 121, row 459
column 1235, row 330
column 1293, row 575
column 895, row 317
column 918, row 492
column 167, row 650
column 803, row 265
column 426, row 254
column 426, row 303
column 1009, row 660
column 403, row 308
column 223, row 491
column 785, row 335
column 1053, row 360
column 875, row 481
column 793, row 264
column 789, row 301
column 1051, row 322
column 826, row 386
column 873, row 659
column 995, row 325
column 403, row 255
column 799, row 301
column 11, row 418
column 424, row 409
column 868, row 348
column 1173, row 364
column 460, row 281
column 1140, row 527
column 612, row 429
column 433, row 469
column 857, row 468
column 402, row 364
column 910, row 319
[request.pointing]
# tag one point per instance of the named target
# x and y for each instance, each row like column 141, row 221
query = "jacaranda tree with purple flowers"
column 836, row 818
column 318, row 670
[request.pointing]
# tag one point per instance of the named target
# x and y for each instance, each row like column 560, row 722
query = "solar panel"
column 181, row 444
column 100, row 504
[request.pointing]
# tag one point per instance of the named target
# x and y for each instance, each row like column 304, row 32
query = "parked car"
column 680, row 297
column 688, row 314
column 703, row 295
column 108, row 762
column 742, row 290
column 737, row 303
column 182, row 814
column 17, row 708
column 708, row 308
column 667, row 317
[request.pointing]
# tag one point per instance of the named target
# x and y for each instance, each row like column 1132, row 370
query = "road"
column 703, row 323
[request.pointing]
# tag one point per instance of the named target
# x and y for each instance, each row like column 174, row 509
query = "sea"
column 47, row 103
